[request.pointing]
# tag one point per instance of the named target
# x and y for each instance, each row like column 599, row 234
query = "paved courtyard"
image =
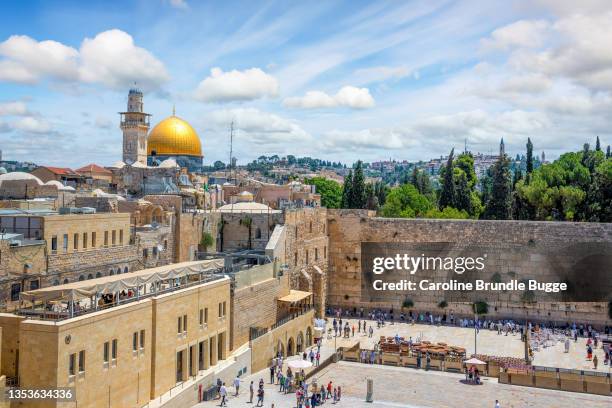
column 488, row 342
column 409, row 388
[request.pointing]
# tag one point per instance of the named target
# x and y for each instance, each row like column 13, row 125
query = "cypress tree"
column 463, row 194
column 597, row 145
column 358, row 195
column 414, row 179
column 499, row 204
column 608, row 152
column 447, row 195
column 346, row 190
column 529, row 156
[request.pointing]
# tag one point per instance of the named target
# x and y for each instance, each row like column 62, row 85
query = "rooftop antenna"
column 465, row 146
column 173, row 109
column 231, row 149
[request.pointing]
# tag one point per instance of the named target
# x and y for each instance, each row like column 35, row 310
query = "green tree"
column 529, row 156
column 331, row 191
column 447, row 195
column 463, row 194
column 447, row 213
column 597, row 145
column 346, row 190
column 358, row 197
column 405, row 201
column 499, row 205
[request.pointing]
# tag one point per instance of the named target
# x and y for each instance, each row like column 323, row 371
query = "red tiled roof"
column 60, row 170
column 93, row 168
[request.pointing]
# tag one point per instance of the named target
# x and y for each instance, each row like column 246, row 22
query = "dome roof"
column 54, row 183
column 19, row 175
column 174, row 137
column 246, row 207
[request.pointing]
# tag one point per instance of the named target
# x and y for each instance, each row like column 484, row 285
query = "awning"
column 117, row 283
column 295, row 296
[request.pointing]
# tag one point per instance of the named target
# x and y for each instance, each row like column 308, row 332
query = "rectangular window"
column 106, row 353
column 120, row 237
column 72, row 364
column 114, row 350
column 306, row 257
column 220, row 309
column 93, row 239
column 179, row 328
column 105, row 238
column 316, row 254
column 142, row 339
column 224, row 311
column 114, row 237
column 295, row 259
column 75, row 242
column 201, row 317
column 54, row 243
column 135, row 341
column 34, row 284
column 65, row 245
column 325, row 252
column 82, row 361
column 145, row 253
column 15, row 290
column 205, row 315
column 84, row 240
column 184, row 323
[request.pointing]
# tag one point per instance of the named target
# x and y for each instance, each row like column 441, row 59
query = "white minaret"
column 135, row 127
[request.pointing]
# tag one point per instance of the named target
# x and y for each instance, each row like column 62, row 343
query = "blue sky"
column 339, row 80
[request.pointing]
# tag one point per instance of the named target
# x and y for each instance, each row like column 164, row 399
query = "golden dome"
column 174, row 137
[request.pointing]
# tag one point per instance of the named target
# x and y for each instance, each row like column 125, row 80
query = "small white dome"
column 139, row 165
column 246, row 207
column 55, row 183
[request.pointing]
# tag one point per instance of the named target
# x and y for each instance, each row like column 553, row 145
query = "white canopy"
column 299, row 364
column 117, row 283
column 474, row 360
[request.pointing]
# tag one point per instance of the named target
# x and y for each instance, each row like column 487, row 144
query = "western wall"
column 515, row 249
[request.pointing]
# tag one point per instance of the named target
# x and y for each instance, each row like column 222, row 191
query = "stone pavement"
column 410, row 388
column 488, row 342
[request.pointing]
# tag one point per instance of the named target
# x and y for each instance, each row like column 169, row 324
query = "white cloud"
column 347, row 96
column 236, row 85
column 103, row 122
column 523, row 33
column 261, row 127
column 110, row 58
column 14, row 108
column 31, row 124
column 380, row 74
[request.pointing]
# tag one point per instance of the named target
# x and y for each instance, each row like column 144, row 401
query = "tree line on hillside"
column 575, row 187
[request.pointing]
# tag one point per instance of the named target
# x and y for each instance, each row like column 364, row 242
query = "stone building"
column 127, row 351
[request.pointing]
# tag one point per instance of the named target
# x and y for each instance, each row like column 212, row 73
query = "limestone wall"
column 349, row 228
column 256, row 306
column 282, row 338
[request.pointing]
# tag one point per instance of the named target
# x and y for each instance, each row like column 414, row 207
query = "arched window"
column 81, row 277
column 112, row 272
column 308, row 337
column 258, row 233
column 90, row 276
column 56, row 282
column 126, row 270
column 66, row 281
column 98, row 275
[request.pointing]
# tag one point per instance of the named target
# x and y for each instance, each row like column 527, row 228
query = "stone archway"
column 299, row 343
column 308, row 337
column 290, row 347
column 280, row 348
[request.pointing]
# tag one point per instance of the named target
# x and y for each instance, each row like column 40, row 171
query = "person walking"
column 595, row 361
column 260, row 397
column 237, row 385
column 223, row 393
column 497, row 404
column 251, row 392
column 318, row 358
column 272, row 374
column 329, row 389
